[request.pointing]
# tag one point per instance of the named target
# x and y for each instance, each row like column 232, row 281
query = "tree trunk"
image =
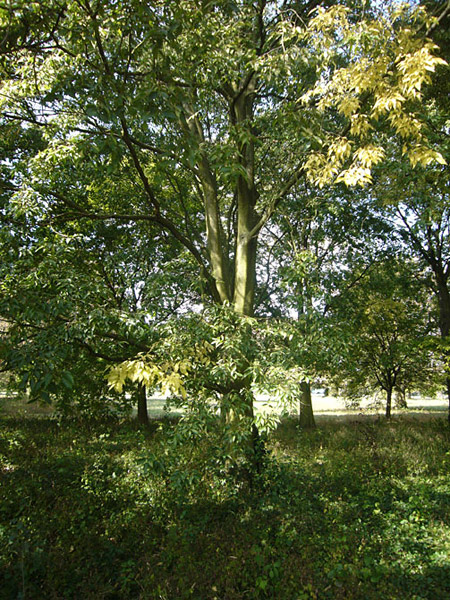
column 243, row 301
column 388, row 402
column 142, row 414
column 306, row 415
column 241, row 115
column 244, row 290
column 235, row 280
column 448, row 395
column 246, row 194
column 214, row 234
column 444, row 323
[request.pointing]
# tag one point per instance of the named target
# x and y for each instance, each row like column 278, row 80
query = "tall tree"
column 417, row 202
column 309, row 254
column 230, row 103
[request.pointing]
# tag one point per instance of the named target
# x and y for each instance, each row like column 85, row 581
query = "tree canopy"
column 146, row 143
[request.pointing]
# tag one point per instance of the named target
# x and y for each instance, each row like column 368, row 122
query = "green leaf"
column 67, row 379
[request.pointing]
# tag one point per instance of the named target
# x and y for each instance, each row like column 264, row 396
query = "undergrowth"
column 106, row 511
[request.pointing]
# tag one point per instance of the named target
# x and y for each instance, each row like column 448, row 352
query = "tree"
column 310, row 252
column 423, row 224
column 218, row 108
column 387, row 321
column 78, row 301
column 417, row 201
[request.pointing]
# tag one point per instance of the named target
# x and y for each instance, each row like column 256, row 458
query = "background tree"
column 417, row 201
column 309, row 255
column 76, row 296
column 386, row 320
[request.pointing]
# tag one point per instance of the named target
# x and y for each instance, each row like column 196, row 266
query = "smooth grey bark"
column 241, row 114
column 306, row 415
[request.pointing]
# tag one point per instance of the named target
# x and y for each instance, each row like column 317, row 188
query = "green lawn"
column 352, row 510
column 324, row 407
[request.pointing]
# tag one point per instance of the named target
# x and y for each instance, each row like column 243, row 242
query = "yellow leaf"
column 369, row 155
column 348, row 106
column 424, row 156
column 340, row 149
column 359, row 125
column 391, row 101
column 355, row 175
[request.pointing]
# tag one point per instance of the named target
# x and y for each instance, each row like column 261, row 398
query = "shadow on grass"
column 360, row 510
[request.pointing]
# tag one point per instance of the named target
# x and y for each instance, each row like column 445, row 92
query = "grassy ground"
column 352, row 510
column 325, row 407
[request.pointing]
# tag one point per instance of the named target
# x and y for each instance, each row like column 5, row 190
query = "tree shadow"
column 333, row 515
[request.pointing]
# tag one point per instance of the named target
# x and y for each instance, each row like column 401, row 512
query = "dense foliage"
column 353, row 510
column 216, row 200
column 152, row 154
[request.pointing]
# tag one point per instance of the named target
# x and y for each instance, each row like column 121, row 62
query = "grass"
column 351, row 510
column 324, row 407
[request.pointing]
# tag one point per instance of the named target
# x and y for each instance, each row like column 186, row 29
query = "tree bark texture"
column 142, row 414
column 388, row 403
column 306, row 415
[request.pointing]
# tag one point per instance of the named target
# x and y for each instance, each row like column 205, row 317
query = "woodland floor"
column 358, row 509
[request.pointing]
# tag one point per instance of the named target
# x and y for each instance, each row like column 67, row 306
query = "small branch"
column 442, row 16
column 298, row 173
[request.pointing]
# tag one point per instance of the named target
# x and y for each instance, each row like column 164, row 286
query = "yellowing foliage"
column 340, row 149
column 407, row 126
column 355, row 175
column 421, row 155
column 360, row 125
column 415, row 67
column 320, row 170
column 368, row 156
column 167, row 376
column 348, row 106
column 327, row 21
column 387, row 69
column 386, row 102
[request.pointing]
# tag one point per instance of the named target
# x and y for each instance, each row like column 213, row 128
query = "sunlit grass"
column 324, row 407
